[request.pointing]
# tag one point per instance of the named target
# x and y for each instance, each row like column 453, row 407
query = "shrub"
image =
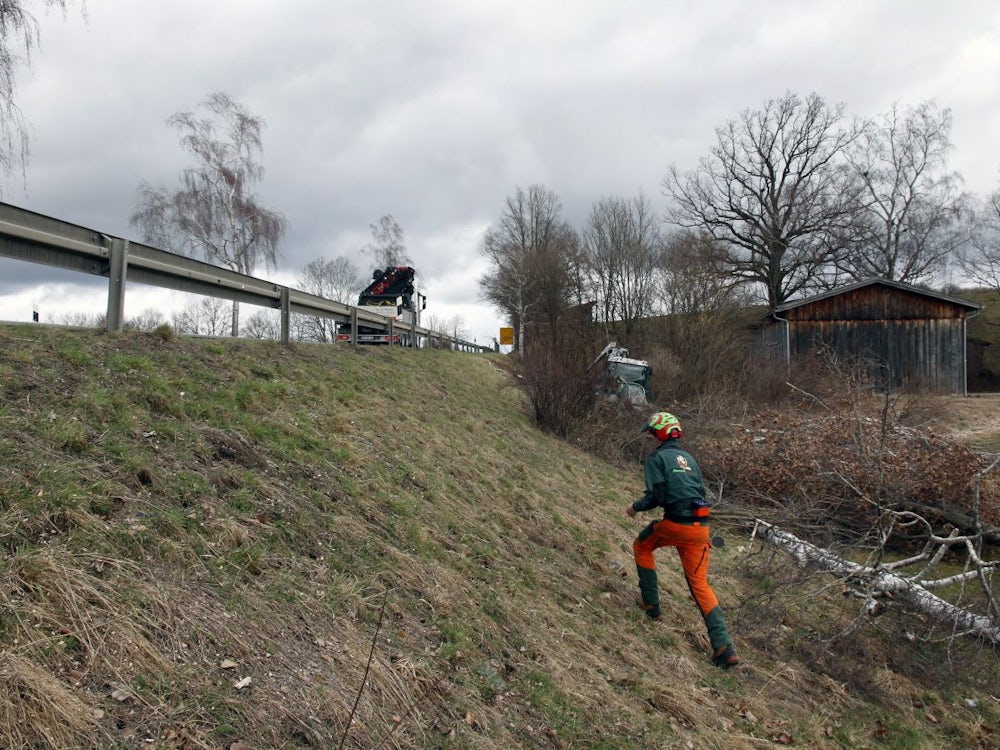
column 560, row 389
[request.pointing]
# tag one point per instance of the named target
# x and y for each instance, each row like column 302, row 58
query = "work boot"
column 725, row 657
column 652, row 610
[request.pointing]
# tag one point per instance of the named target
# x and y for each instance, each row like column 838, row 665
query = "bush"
column 560, row 389
column 833, row 472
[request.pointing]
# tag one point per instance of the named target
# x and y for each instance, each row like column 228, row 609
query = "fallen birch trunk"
column 880, row 581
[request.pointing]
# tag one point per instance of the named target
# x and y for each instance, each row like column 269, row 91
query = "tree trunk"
column 881, row 582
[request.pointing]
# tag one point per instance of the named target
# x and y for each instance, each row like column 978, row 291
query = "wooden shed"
column 908, row 337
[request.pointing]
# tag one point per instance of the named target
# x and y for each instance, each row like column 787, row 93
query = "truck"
column 391, row 294
column 624, row 379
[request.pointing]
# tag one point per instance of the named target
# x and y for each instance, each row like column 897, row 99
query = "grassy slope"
column 179, row 515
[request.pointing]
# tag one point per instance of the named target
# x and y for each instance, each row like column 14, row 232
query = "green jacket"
column 673, row 482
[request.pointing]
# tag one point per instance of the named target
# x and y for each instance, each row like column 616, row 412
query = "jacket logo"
column 683, row 463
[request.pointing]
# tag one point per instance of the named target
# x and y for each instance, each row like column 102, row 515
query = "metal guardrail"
column 32, row 237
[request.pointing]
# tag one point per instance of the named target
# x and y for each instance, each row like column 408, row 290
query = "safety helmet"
column 664, row 426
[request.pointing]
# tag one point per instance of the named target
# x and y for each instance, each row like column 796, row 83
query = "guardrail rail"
column 32, row 237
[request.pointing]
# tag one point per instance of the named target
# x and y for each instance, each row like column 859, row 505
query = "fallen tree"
column 877, row 581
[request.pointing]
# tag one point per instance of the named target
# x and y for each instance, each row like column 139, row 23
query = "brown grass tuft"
column 37, row 710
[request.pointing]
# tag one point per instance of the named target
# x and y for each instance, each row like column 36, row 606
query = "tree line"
column 792, row 198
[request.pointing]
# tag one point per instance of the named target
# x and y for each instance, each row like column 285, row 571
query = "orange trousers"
column 692, row 545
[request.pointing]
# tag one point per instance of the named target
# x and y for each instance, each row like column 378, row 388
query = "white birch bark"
column 881, row 580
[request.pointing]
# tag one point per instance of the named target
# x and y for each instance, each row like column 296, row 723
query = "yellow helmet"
column 664, row 426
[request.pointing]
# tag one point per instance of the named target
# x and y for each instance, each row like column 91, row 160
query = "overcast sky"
column 435, row 111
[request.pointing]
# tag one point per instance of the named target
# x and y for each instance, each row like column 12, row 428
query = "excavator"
column 392, row 294
column 625, row 380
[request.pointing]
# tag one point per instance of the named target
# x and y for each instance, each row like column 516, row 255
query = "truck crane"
column 393, row 295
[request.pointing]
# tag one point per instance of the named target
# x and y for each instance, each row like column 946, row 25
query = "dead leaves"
column 832, row 460
column 776, row 730
column 240, row 684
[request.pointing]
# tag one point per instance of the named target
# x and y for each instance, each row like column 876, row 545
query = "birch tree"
column 19, row 38
column 388, row 244
column 899, row 517
column 911, row 206
column 215, row 213
column 879, row 583
column 622, row 246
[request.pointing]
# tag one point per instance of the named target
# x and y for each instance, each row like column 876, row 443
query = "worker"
column 674, row 483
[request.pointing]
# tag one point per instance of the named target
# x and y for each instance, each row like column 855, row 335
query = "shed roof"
column 881, row 282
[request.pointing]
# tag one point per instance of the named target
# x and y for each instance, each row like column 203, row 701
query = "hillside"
column 231, row 544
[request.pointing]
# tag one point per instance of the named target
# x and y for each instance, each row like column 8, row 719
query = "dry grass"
column 205, row 543
column 37, row 709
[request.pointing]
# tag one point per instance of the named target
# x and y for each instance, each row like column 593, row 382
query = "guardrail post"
column 286, row 316
column 354, row 326
column 392, row 330
column 117, row 272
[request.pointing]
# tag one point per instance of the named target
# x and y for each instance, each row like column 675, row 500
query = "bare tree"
column 692, row 275
column 434, row 323
column 82, row 320
column 622, row 245
column 533, row 255
column 214, row 213
column 19, row 37
column 980, row 260
column 557, row 277
column 262, row 324
column 388, row 246
column 337, row 279
column 775, row 191
column 206, row 317
column 702, row 305
column 147, row 320
column 909, row 220
column 455, row 327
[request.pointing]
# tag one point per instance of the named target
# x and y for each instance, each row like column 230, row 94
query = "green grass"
column 167, row 504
